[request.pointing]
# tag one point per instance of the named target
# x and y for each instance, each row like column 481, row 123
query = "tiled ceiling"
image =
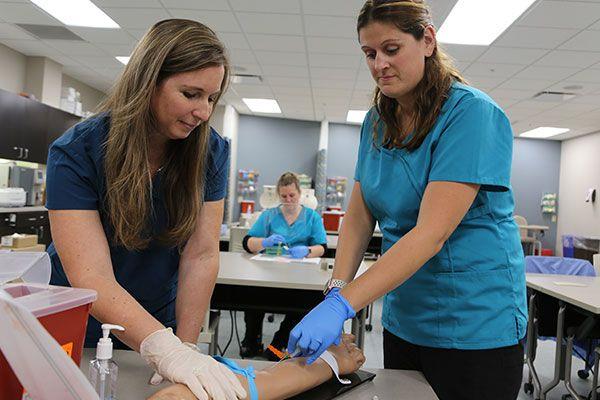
column 308, row 57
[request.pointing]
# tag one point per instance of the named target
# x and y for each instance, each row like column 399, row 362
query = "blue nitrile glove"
column 273, row 240
column 321, row 327
column 299, row 251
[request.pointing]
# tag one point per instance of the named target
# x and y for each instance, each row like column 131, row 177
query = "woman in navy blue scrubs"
column 135, row 198
column 433, row 170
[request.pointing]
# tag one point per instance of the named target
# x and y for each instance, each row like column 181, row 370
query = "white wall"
column 12, row 69
column 90, row 97
column 579, row 170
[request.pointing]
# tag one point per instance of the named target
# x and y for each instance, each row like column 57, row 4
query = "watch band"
column 333, row 283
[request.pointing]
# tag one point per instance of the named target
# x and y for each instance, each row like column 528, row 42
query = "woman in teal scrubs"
column 433, row 170
column 301, row 230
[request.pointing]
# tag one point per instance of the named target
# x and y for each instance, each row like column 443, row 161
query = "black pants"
column 493, row 374
column 254, row 321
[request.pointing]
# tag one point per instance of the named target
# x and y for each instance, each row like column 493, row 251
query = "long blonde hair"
column 170, row 47
column 412, row 17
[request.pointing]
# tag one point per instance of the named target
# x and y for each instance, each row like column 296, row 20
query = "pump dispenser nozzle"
column 105, row 345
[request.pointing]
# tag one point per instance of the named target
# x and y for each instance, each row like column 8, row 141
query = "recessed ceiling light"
column 543, row 132
column 77, row 13
column 123, row 59
column 480, row 22
column 267, row 106
column 356, row 116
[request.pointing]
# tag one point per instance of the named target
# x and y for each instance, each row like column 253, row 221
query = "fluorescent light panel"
column 480, row 22
column 123, row 59
column 543, row 132
column 267, row 106
column 356, row 116
column 77, row 13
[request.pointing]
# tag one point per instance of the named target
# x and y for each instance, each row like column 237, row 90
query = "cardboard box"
column 36, row 248
column 18, row 241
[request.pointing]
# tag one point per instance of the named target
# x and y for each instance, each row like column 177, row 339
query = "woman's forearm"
column 398, row 264
column 197, row 279
column 255, row 244
column 116, row 306
column 316, row 251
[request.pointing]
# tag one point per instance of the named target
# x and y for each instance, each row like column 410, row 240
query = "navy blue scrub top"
column 471, row 295
column 76, row 181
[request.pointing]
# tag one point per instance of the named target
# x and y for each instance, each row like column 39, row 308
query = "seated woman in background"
column 285, row 379
column 291, row 224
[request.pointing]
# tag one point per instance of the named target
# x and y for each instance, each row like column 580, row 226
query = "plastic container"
column 568, row 249
column 547, row 252
column 331, row 220
column 247, row 206
column 62, row 311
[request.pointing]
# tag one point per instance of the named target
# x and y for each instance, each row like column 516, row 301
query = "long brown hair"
column 412, row 17
column 170, row 47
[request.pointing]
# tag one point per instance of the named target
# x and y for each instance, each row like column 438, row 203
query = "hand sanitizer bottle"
column 103, row 370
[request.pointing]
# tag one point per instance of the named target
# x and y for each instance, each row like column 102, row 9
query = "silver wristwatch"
column 333, row 283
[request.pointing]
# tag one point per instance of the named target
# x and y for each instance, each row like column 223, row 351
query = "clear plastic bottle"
column 103, row 371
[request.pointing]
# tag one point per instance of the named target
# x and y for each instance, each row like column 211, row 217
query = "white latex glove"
column 183, row 363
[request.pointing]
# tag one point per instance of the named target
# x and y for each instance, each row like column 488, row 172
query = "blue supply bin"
column 568, row 248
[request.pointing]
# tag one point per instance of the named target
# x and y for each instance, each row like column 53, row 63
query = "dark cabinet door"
column 11, row 111
column 59, row 121
column 33, row 139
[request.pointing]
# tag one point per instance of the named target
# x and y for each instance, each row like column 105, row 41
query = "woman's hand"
column 273, row 240
column 347, row 354
column 299, row 251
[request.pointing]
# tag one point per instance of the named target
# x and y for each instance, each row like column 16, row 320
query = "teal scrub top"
column 307, row 230
column 471, row 295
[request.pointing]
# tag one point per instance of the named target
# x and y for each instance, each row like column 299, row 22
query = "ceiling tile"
column 128, row 3
column 285, row 71
column 588, row 75
column 253, row 91
column 332, row 45
column 285, row 24
column 557, row 14
column 28, row 47
column 291, row 90
column 196, row 4
column 240, row 57
column 26, row 13
column 270, row 6
column 334, row 61
column 281, row 58
column 97, row 35
column 95, row 62
column 570, row 85
column 512, row 94
column 331, row 84
column 333, row 73
column 10, row 31
column 290, row 82
column 326, row 26
column 584, row 41
column 547, row 73
column 117, row 49
column 496, row 70
column 537, row 38
column 536, row 105
column 71, row 48
column 564, row 58
column 588, row 99
column 247, row 69
column 222, row 21
column 276, row 42
column 137, row 18
column 233, row 41
column 526, row 84
column 461, row 52
column 511, row 55
column 364, row 84
column 485, row 83
column 137, row 33
column 349, row 8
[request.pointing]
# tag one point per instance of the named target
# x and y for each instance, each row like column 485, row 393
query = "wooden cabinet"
column 28, row 127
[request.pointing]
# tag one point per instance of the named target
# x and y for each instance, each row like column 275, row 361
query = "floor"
column 374, row 354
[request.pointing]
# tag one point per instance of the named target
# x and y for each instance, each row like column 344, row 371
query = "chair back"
column 519, row 220
column 558, row 266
